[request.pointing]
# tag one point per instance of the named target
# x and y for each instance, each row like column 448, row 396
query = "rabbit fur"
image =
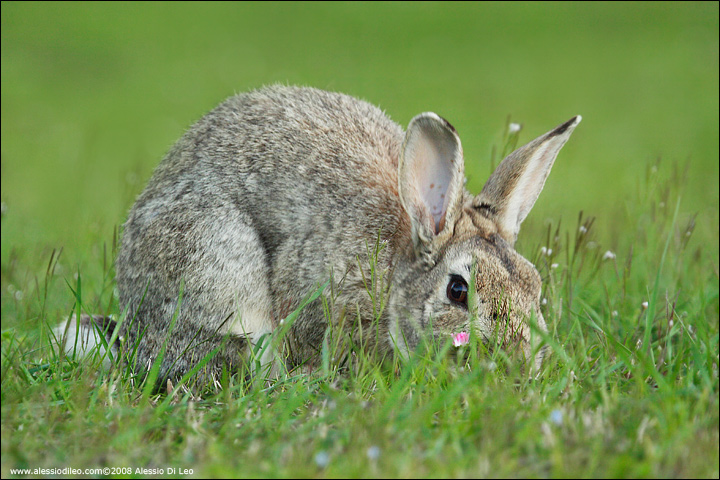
column 277, row 190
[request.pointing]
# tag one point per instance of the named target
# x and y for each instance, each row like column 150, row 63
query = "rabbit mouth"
column 511, row 350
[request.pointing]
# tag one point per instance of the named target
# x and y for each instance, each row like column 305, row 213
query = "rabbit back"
column 246, row 214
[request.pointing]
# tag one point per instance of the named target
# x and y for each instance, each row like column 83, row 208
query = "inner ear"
column 433, row 178
column 431, row 171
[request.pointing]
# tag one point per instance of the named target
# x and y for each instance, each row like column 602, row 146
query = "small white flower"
column 671, row 323
column 556, row 417
column 322, row 459
column 549, row 252
column 608, row 255
column 554, row 265
column 373, row 452
column 644, row 305
column 514, row 128
column 614, row 313
column 491, row 366
column 544, row 301
column 543, row 250
column 583, row 229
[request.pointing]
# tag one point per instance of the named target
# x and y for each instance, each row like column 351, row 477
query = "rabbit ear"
column 512, row 189
column 431, row 177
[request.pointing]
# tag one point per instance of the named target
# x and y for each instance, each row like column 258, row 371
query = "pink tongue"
column 460, row 339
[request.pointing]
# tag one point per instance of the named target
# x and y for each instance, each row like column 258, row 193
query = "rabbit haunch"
column 277, row 190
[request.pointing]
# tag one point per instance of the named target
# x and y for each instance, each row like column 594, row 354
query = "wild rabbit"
column 277, row 190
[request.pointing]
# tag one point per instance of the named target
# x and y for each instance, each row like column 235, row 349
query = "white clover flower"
column 322, row 459
column 609, row 255
column 556, row 417
column 373, row 452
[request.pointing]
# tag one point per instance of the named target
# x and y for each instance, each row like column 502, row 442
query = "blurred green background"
column 93, row 94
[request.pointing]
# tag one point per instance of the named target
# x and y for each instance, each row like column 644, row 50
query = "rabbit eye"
column 457, row 289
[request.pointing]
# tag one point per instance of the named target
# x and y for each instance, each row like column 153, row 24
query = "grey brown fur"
column 274, row 190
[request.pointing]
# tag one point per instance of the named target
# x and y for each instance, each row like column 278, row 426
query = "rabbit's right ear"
column 430, row 181
column 513, row 187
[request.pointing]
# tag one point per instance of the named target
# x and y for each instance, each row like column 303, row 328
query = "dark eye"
column 457, row 289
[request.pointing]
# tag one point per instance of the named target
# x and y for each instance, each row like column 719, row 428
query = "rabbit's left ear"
column 431, row 178
column 514, row 186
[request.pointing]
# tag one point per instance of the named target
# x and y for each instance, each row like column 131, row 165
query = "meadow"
column 625, row 235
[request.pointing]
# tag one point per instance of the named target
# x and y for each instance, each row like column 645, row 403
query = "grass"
column 94, row 94
column 630, row 389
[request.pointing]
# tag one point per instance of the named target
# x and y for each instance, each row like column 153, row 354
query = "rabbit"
column 283, row 189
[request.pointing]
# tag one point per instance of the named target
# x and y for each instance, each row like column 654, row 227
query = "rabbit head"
column 461, row 272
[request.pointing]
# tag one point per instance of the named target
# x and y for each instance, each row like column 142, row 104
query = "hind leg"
column 193, row 280
column 240, row 279
column 227, row 278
